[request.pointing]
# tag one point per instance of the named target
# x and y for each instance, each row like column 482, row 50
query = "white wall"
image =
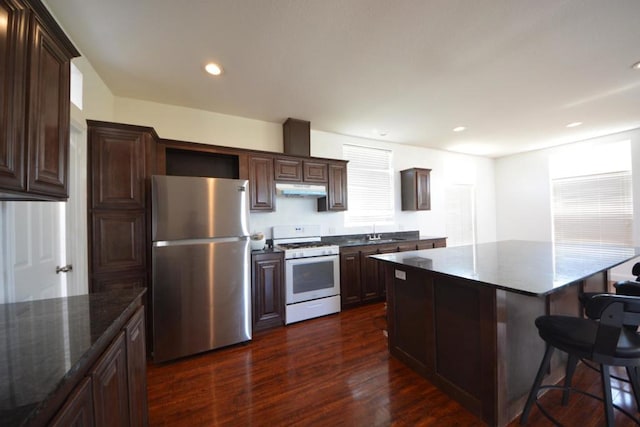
column 188, row 124
column 523, row 194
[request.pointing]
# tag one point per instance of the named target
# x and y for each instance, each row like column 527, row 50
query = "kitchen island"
column 463, row 316
column 77, row 360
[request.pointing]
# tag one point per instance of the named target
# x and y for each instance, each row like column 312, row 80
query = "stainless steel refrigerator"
column 201, row 289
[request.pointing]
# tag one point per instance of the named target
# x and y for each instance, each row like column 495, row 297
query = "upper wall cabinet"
column 261, row 183
column 34, row 103
column 415, row 189
column 336, row 199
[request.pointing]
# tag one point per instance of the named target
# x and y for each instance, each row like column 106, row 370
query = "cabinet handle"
column 64, row 269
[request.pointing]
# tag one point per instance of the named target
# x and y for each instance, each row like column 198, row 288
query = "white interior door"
column 36, row 248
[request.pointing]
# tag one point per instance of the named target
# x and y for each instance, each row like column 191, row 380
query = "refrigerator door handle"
column 162, row 243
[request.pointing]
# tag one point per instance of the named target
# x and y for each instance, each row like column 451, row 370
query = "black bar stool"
column 606, row 342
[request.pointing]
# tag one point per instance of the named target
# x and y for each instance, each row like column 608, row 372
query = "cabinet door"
column 268, row 292
column 350, row 288
column 48, row 121
column 423, row 189
column 287, row 169
column 137, row 369
column 110, row 390
column 369, row 276
column 13, row 39
column 118, row 241
column 118, row 168
column 314, row 172
column 77, row 411
column 336, row 199
column 261, row 183
column 384, row 249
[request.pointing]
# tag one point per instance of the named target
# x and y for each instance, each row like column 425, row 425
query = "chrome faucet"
column 374, row 236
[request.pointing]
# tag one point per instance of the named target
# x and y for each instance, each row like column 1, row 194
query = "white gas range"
column 312, row 272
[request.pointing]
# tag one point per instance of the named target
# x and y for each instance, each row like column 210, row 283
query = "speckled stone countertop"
column 363, row 240
column 532, row 268
column 46, row 346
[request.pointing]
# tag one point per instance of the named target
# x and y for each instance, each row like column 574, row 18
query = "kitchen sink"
column 374, row 242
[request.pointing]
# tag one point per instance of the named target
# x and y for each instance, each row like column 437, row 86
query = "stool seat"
column 578, row 336
column 612, row 340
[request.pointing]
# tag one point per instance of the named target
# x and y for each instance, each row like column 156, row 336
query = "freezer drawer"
column 201, row 297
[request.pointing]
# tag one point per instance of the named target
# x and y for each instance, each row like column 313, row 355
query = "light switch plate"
column 402, row 275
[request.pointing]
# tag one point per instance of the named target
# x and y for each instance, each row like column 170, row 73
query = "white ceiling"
column 514, row 72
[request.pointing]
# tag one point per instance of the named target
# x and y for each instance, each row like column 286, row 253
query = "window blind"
column 593, row 209
column 370, row 185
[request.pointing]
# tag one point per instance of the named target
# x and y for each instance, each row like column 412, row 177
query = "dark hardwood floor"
column 331, row 371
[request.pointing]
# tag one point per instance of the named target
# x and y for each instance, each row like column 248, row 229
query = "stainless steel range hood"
column 300, row 190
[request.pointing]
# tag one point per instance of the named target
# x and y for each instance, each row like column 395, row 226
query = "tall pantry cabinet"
column 121, row 160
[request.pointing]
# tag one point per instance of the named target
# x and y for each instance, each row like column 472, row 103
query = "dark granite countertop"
column 47, row 344
column 533, row 268
column 385, row 238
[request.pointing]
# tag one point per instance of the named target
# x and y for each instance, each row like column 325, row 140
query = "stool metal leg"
column 606, row 394
column 533, row 394
column 632, row 373
column 571, row 369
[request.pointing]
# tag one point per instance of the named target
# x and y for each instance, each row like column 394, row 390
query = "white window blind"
column 460, row 209
column 592, row 201
column 370, row 185
column 593, row 209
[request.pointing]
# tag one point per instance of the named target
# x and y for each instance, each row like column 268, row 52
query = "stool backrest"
column 628, row 287
column 614, row 311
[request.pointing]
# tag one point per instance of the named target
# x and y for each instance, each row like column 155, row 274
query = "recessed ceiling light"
column 213, row 69
column 380, row 132
column 636, row 66
column 459, row 129
column 574, row 124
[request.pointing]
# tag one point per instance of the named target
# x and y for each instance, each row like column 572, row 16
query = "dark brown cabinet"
column 119, row 378
column 135, row 338
column 295, row 169
column 110, row 391
column 336, row 199
column 361, row 277
column 314, row 171
column 261, row 183
column 13, row 70
column 78, row 409
column 415, row 189
column 34, row 103
column 287, row 169
column 350, row 290
column 268, row 290
column 120, row 163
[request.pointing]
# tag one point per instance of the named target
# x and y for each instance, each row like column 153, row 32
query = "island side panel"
column 445, row 329
column 524, row 348
column 410, row 319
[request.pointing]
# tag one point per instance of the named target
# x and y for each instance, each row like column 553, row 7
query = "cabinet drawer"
column 315, row 172
column 287, row 169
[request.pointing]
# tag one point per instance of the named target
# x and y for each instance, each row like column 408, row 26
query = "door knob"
column 64, row 269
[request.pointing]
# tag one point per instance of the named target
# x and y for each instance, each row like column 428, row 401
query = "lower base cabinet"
column 114, row 391
column 267, row 287
column 78, row 410
column 361, row 278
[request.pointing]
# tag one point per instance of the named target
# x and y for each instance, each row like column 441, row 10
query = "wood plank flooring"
column 331, row 371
